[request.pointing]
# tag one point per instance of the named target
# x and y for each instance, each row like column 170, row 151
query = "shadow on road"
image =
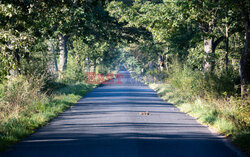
column 106, row 123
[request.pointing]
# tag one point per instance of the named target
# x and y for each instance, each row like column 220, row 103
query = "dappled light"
column 107, row 121
column 132, row 78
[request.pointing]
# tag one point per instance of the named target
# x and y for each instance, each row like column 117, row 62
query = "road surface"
column 106, row 123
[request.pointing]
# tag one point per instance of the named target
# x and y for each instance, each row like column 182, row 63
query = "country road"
column 106, row 123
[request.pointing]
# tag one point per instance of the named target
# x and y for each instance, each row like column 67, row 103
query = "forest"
column 194, row 53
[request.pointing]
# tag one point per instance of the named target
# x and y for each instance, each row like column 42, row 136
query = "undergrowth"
column 26, row 106
column 226, row 116
column 210, row 97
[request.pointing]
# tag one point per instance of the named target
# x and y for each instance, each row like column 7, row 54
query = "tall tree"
column 245, row 56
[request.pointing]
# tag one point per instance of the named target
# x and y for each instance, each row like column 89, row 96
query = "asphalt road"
column 106, row 123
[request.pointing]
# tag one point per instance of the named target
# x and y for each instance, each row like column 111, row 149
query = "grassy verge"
column 207, row 99
column 217, row 114
column 24, row 120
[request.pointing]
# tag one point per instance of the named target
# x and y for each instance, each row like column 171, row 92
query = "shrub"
column 24, row 107
column 18, row 93
column 73, row 73
column 191, row 82
column 186, row 81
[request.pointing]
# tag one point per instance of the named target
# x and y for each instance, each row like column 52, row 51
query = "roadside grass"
column 21, row 121
column 220, row 115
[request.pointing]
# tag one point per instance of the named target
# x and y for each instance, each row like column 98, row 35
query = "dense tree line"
column 43, row 33
column 196, row 50
column 207, row 35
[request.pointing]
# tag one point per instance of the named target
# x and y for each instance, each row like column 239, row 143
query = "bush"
column 229, row 116
column 24, row 107
column 19, row 93
column 186, row 81
column 192, row 83
column 74, row 72
column 159, row 75
column 218, row 90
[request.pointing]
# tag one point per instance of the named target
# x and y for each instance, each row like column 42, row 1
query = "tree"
column 245, row 56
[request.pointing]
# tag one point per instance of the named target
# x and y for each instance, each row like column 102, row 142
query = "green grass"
column 214, row 113
column 20, row 125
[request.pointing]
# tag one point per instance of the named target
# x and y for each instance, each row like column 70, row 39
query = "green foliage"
column 143, row 36
column 155, row 17
column 187, row 81
column 196, row 57
column 180, row 28
column 129, row 61
column 195, row 83
column 227, row 116
column 158, row 75
column 74, row 72
column 19, row 92
column 23, row 108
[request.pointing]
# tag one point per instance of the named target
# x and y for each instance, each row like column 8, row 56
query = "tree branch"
column 216, row 42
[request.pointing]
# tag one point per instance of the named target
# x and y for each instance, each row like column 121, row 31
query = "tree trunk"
column 15, row 70
column 245, row 57
column 52, row 64
column 63, row 52
column 161, row 62
column 166, row 59
column 227, row 48
column 208, row 48
column 150, row 65
column 166, row 62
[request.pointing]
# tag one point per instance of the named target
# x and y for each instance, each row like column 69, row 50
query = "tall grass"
column 192, row 82
column 226, row 115
column 25, row 105
column 213, row 98
column 29, row 101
